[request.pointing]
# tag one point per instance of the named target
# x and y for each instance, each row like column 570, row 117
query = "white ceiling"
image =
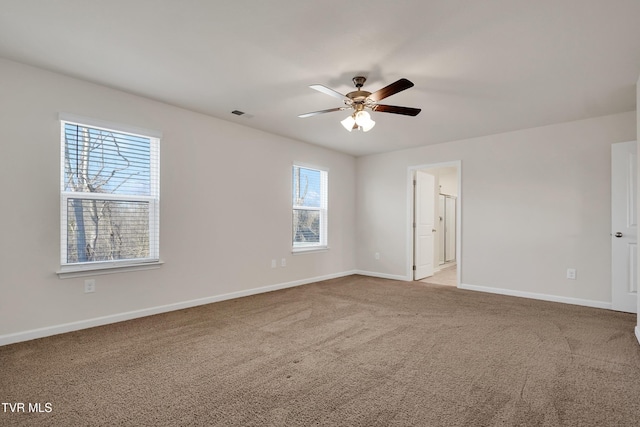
column 479, row 67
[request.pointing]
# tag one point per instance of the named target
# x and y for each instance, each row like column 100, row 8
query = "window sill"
column 69, row 272
column 300, row 251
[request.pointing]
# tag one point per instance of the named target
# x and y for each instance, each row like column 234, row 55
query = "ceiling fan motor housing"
column 358, row 81
column 358, row 98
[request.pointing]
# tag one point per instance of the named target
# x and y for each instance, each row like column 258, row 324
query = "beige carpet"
column 354, row 351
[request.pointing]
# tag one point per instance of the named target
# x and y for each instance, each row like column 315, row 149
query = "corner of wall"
column 638, row 133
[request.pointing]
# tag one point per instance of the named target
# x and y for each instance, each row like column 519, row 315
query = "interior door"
column 624, row 218
column 424, row 225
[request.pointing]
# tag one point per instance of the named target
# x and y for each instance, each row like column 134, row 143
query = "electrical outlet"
column 273, row 263
column 571, row 273
column 89, row 286
column 283, row 262
column 377, row 255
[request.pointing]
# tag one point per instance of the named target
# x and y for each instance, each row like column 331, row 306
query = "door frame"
column 410, row 213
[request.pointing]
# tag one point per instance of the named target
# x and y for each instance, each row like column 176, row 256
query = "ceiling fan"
column 360, row 100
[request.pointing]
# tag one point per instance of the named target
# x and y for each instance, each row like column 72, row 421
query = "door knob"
column 618, row 234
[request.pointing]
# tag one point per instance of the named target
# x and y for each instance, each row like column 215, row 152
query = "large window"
column 109, row 197
column 309, row 208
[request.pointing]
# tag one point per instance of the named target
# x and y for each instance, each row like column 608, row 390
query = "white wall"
column 225, row 206
column 556, row 213
column 534, row 203
column 448, row 181
column 638, row 133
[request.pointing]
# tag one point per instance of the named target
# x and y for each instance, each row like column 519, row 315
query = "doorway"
column 434, row 233
column 447, row 225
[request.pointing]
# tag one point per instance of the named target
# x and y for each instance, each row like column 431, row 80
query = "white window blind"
column 109, row 196
column 310, row 210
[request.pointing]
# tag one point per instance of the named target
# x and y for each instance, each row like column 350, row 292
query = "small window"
column 309, row 208
column 109, row 197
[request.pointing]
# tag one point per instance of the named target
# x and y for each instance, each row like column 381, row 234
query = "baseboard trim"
column 383, row 275
column 120, row 317
column 533, row 295
column 638, row 333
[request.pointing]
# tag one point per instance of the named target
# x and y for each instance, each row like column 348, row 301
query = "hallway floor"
column 447, row 276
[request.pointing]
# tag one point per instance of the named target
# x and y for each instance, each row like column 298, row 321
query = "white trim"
column 323, row 209
column 124, row 128
column 535, row 295
column 313, row 166
column 151, row 200
column 105, row 267
column 409, row 239
column 108, row 196
column 308, row 250
column 384, row 275
column 638, row 333
column 120, row 317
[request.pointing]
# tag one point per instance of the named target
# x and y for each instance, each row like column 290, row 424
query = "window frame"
column 75, row 269
column 323, row 211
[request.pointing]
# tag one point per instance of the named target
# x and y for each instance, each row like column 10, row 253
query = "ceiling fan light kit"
column 349, row 123
column 359, row 100
column 360, row 120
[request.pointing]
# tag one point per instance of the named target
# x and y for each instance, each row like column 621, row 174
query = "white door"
column 424, row 225
column 624, row 255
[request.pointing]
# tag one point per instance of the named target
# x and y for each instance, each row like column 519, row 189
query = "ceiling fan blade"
column 315, row 113
column 328, row 91
column 407, row 111
column 391, row 89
